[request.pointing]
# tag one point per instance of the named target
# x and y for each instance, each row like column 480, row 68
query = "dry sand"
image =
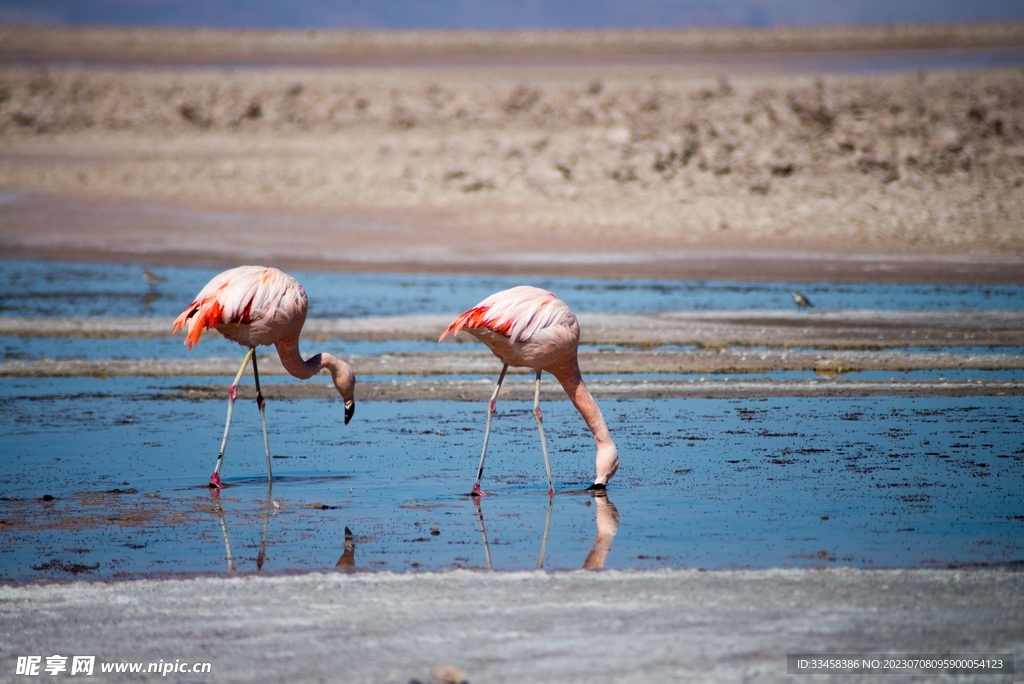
column 474, row 156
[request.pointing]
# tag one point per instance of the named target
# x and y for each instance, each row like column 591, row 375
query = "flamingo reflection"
column 606, row 517
column 218, row 510
column 268, row 508
column 607, row 525
column 348, row 556
column 346, row 561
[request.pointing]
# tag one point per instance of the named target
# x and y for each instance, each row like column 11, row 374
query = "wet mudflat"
column 882, row 428
column 101, row 482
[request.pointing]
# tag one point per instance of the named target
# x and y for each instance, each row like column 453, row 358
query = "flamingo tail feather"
column 199, row 317
column 477, row 317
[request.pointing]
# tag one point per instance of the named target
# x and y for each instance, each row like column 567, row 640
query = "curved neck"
column 572, row 382
column 607, row 459
column 341, row 373
column 292, row 361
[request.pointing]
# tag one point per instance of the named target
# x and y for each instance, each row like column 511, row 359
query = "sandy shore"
column 341, row 47
column 601, row 167
column 520, row 627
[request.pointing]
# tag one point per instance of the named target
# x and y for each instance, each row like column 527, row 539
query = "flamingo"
column 527, row 327
column 254, row 305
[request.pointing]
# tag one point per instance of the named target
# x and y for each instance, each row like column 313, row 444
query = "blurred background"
column 502, row 14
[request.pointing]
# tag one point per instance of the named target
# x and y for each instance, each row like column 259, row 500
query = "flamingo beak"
column 350, row 409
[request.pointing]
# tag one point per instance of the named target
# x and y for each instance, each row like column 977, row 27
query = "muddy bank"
column 621, row 362
column 854, row 329
column 36, row 226
column 205, row 45
column 585, row 167
column 523, row 390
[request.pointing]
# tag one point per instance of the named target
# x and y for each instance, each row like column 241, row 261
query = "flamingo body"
column 253, row 306
column 527, row 327
column 524, row 326
column 250, row 305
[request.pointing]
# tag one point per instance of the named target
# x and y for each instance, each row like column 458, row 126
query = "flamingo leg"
column 483, row 533
column 544, row 539
column 232, row 393
column 262, row 555
column 543, row 440
column 263, row 417
column 492, row 405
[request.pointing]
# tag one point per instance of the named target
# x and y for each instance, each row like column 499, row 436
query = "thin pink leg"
column 492, row 406
column 543, row 441
column 263, row 417
column 232, row 394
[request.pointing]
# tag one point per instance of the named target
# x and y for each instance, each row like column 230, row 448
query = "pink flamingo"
column 254, row 305
column 528, row 327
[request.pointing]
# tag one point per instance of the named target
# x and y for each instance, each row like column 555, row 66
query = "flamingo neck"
column 572, row 382
column 341, row 373
column 292, row 361
column 607, row 460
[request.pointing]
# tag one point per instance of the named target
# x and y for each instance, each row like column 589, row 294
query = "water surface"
column 102, row 480
column 38, row 288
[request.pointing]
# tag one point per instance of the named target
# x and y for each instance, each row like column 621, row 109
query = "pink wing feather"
column 517, row 313
column 241, row 296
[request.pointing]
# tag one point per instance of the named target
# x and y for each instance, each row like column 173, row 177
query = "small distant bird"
column 152, row 279
column 254, row 305
column 800, row 300
column 528, row 327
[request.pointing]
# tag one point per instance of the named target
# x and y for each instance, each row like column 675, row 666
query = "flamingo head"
column 607, row 463
column 344, row 381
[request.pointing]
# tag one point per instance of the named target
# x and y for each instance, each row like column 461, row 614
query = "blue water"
column 505, row 15
column 212, row 346
column 38, row 288
column 106, row 476
column 845, row 481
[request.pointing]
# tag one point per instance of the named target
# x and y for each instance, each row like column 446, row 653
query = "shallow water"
column 865, row 482
column 211, row 346
column 37, row 288
column 105, row 478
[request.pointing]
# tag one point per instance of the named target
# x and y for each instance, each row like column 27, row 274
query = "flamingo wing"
column 266, row 299
column 518, row 313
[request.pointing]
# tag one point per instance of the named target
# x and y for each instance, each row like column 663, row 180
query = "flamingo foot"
column 215, row 481
column 477, row 491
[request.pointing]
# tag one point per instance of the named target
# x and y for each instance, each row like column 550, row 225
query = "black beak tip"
column 349, row 411
column 596, row 487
